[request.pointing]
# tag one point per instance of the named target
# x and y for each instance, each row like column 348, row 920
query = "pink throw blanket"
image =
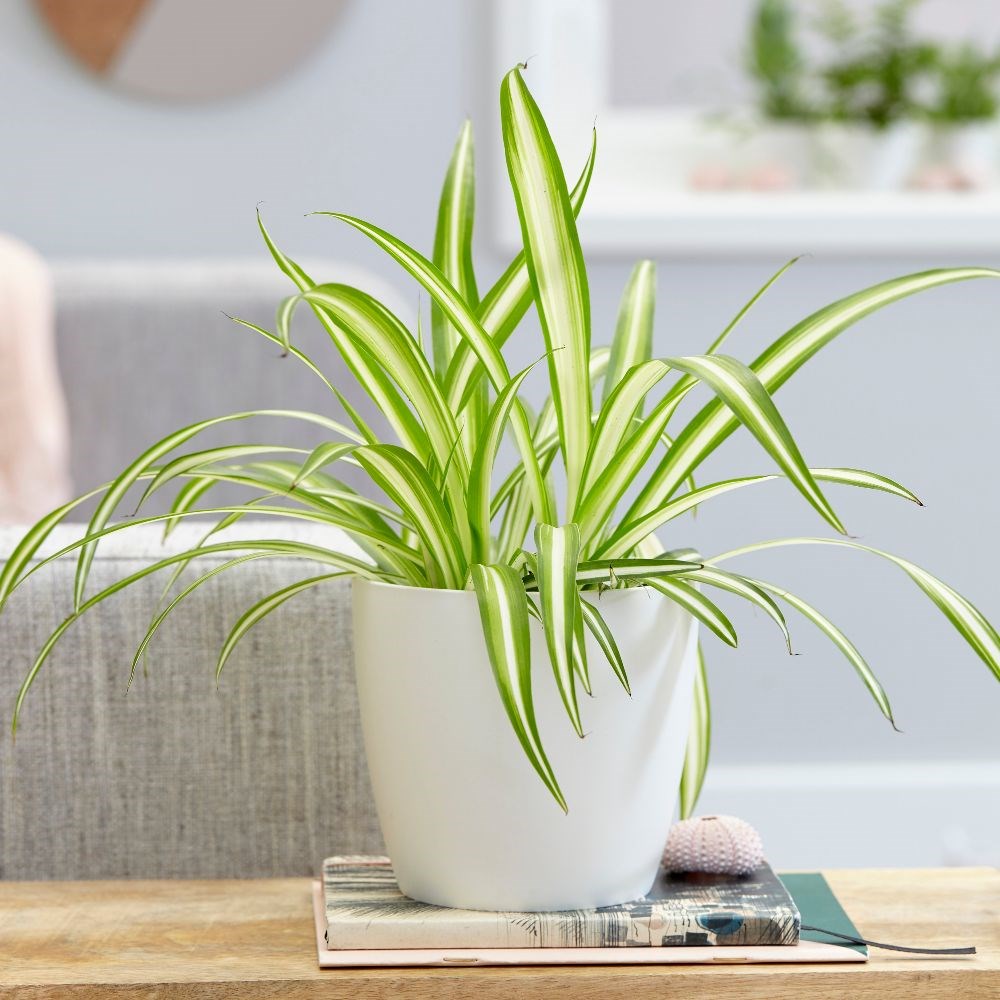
column 34, row 475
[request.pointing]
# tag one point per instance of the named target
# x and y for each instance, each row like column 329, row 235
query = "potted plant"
column 775, row 62
column 484, row 611
column 858, row 99
column 962, row 114
column 871, row 88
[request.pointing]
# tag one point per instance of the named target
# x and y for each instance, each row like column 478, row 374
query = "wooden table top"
column 255, row 939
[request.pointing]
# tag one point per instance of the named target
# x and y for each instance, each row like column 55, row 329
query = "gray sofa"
column 146, row 347
column 264, row 776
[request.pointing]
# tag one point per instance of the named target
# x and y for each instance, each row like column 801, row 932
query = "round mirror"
column 189, row 50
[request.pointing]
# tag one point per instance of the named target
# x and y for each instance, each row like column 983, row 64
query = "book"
column 813, row 897
column 365, row 909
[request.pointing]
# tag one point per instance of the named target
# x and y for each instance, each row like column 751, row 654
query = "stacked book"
column 363, row 919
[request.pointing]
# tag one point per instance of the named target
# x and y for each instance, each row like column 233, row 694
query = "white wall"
column 366, row 123
column 659, row 57
column 367, row 126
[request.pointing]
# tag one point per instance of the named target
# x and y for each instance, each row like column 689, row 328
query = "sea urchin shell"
column 723, row 845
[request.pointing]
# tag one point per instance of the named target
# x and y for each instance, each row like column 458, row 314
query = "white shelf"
column 791, row 223
column 741, row 224
column 639, row 203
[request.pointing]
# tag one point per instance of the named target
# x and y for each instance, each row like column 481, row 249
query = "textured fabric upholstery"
column 264, row 776
column 144, row 347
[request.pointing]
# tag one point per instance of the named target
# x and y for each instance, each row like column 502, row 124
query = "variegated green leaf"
column 294, row 550
column 504, row 612
column 286, row 481
column 598, row 627
column 967, row 619
column 743, row 393
column 518, row 513
column 405, row 480
column 738, row 318
column 546, row 425
column 376, row 538
column 621, row 406
column 479, row 508
column 529, row 565
column 319, row 458
column 866, row 480
column 699, row 743
column 367, row 435
column 776, row 365
column 546, row 452
column 716, row 344
column 600, row 502
column 696, row 604
column 295, row 353
column 283, row 321
column 840, row 640
column 198, row 460
column 115, row 493
column 187, row 496
column 611, row 572
column 633, row 340
column 580, row 665
column 453, row 306
column 367, row 372
column 555, row 263
column 261, row 610
column 558, row 553
column 742, row 587
column 13, row 569
column 503, row 306
column 453, row 244
column 369, row 323
column 328, row 518
column 628, row 535
column 286, row 265
column 631, row 533
column 365, row 520
column 163, row 615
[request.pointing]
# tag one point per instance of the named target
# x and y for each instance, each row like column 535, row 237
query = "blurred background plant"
column 966, row 85
column 879, row 67
column 877, row 104
column 776, row 61
column 848, row 66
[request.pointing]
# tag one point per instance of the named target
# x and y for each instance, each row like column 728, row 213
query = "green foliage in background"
column 602, row 475
column 864, row 68
column 879, row 66
column 776, row 61
column 967, row 85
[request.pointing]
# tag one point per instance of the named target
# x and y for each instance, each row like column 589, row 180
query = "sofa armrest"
column 263, row 776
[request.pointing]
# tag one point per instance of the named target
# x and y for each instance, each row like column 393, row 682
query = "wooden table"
column 254, row 939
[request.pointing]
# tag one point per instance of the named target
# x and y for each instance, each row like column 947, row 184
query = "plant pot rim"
column 627, row 594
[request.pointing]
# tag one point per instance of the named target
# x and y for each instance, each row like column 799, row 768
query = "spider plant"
column 543, row 540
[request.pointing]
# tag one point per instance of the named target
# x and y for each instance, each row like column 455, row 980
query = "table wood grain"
column 254, row 939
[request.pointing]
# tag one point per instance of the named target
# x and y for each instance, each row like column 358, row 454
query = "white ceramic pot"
column 857, row 156
column 970, row 151
column 466, row 820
